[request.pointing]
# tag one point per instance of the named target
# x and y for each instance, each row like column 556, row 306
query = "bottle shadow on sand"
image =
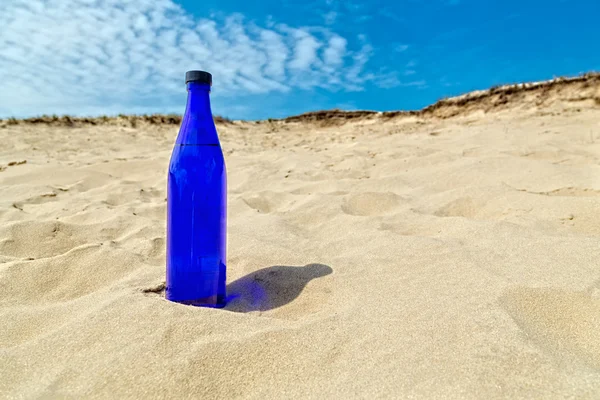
column 272, row 287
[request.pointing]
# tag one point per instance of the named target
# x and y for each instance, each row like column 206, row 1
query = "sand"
column 445, row 255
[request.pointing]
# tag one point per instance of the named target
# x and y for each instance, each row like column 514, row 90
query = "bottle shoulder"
column 198, row 131
column 196, row 158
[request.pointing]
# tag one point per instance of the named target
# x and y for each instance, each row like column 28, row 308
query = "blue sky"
column 274, row 58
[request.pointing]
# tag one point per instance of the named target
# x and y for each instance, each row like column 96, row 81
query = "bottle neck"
column 198, row 100
column 198, row 126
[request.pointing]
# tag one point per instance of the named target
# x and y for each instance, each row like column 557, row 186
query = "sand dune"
column 450, row 252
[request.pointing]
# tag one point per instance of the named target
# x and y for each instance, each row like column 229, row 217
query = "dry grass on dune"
column 580, row 88
column 121, row 120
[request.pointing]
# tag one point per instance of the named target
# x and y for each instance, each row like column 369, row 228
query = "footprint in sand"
column 565, row 323
column 259, row 203
column 32, row 239
column 466, row 207
column 265, row 202
column 371, row 203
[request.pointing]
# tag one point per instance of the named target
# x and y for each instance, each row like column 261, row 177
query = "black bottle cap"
column 198, row 76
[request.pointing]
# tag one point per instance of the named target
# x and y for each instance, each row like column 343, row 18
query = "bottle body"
column 197, row 209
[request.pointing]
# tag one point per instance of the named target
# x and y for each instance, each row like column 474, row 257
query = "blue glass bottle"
column 197, row 204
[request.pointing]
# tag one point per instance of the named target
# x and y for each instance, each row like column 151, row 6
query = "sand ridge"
column 411, row 255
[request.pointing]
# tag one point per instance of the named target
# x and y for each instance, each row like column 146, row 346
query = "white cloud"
column 305, row 52
column 422, row 83
column 97, row 56
column 334, row 54
column 277, row 52
column 360, row 59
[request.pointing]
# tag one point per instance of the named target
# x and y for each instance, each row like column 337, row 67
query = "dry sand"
column 452, row 253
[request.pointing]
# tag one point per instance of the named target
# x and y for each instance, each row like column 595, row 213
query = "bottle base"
column 209, row 302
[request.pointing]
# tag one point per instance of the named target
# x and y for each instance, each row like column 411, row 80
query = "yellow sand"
column 407, row 257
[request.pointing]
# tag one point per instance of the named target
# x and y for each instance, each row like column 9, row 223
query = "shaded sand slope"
column 450, row 253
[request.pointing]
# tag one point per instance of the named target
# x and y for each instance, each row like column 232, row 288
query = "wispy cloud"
column 330, row 17
column 392, row 81
column 401, row 48
column 334, row 54
column 305, row 51
column 88, row 57
column 386, row 12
